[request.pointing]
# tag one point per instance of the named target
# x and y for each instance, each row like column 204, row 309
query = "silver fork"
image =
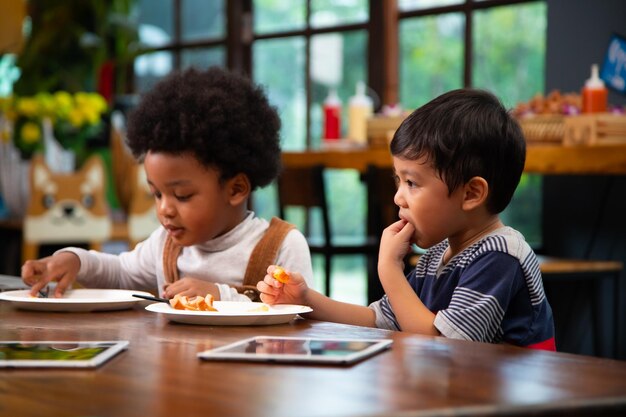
column 44, row 292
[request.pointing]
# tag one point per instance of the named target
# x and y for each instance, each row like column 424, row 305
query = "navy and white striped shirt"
column 491, row 292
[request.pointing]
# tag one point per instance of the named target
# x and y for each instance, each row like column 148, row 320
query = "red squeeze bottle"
column 594, row 94
column 332, row 116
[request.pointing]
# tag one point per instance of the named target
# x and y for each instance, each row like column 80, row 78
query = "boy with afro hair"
column 207, row 140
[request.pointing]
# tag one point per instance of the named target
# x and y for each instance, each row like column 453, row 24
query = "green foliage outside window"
column 508, row 47
column 509, row 50
column 431, row 58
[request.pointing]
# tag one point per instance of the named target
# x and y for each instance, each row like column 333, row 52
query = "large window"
column 495, row 45
column 178, row 34
column 301, row 50
column 407, row 51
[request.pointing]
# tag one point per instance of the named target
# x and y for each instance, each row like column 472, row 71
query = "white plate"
column 75, row 300
column 233, row 313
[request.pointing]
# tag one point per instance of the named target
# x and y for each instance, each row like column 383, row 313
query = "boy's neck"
column 470, row 236
column 238, row 215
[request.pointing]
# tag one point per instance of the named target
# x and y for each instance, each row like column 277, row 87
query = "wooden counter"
column 540, row 159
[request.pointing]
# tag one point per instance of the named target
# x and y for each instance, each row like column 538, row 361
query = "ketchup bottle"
column 595, row 94
column 332, row 116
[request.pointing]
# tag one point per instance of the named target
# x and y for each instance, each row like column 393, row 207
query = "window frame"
column 382, row 46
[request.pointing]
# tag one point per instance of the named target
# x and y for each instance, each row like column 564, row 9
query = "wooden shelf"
column 557, row 159
column 540, row 159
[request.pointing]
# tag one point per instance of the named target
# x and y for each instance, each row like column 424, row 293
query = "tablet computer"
column 9, row 283
column 298, row 349
column 58, row 354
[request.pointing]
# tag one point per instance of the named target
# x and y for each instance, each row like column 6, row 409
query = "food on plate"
column 197, row 303
column 260, row 309
column 281, row 275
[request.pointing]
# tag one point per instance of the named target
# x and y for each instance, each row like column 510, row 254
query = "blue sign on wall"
column 614, row 67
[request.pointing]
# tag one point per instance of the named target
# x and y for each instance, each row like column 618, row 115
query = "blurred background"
column 405, row 51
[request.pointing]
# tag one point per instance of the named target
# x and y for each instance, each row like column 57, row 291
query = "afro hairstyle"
column 219, row 117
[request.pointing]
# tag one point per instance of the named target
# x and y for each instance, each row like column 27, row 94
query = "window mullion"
column 468, row 48
column 177, row 33
column 307, row 78
column 239, row 35
column 383, row 59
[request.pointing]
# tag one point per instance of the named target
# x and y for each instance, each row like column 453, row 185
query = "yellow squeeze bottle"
column 360, row 107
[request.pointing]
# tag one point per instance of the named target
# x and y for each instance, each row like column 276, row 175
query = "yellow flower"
column 92, row 116
column 31, row 132
column 98, row 102
column 28, row 106
column 81, row 99
column 76, row 117
column 63, row 103
column 91, row 103
column 46, row 103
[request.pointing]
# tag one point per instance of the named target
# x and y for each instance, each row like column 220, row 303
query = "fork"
column 44, row 294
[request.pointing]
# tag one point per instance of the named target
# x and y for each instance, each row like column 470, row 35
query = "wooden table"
column 540, row 159
column 420, row 376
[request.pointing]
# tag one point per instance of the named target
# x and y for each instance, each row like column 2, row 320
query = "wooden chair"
column 381, row 212
column 558, row 271
column 305, row 188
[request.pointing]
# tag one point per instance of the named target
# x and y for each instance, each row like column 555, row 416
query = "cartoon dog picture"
column 66, row 208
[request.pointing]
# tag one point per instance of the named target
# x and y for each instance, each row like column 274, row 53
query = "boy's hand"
column 62, row 268
column 191, row 287
column 395, row 243
column 275, row 292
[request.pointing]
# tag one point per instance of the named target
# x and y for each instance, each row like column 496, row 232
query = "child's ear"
column 239, row 189
column 476, row 191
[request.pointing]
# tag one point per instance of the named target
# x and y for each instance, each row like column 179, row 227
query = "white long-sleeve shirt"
column 222, row 260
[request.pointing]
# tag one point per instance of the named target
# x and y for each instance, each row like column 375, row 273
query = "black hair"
column 466, row 133
column 219, row 117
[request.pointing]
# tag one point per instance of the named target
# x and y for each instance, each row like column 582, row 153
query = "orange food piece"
column 197, row 303
column 280, row 275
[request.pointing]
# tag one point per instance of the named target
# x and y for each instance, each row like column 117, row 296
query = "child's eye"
column 410, row 183
column 156, row 194
column 183, row 197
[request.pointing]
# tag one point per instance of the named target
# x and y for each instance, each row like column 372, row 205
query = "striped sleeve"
column 471, row 315
column 385, row 317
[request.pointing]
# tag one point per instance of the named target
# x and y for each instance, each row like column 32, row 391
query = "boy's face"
column 190, row 202
column 424, row 202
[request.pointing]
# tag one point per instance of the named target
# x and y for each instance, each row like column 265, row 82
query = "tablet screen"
column 58, row 353
column 298, row 349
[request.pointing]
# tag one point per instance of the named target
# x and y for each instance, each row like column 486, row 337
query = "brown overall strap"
column 266, row 250
column 170, row 257
column 263, row 255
